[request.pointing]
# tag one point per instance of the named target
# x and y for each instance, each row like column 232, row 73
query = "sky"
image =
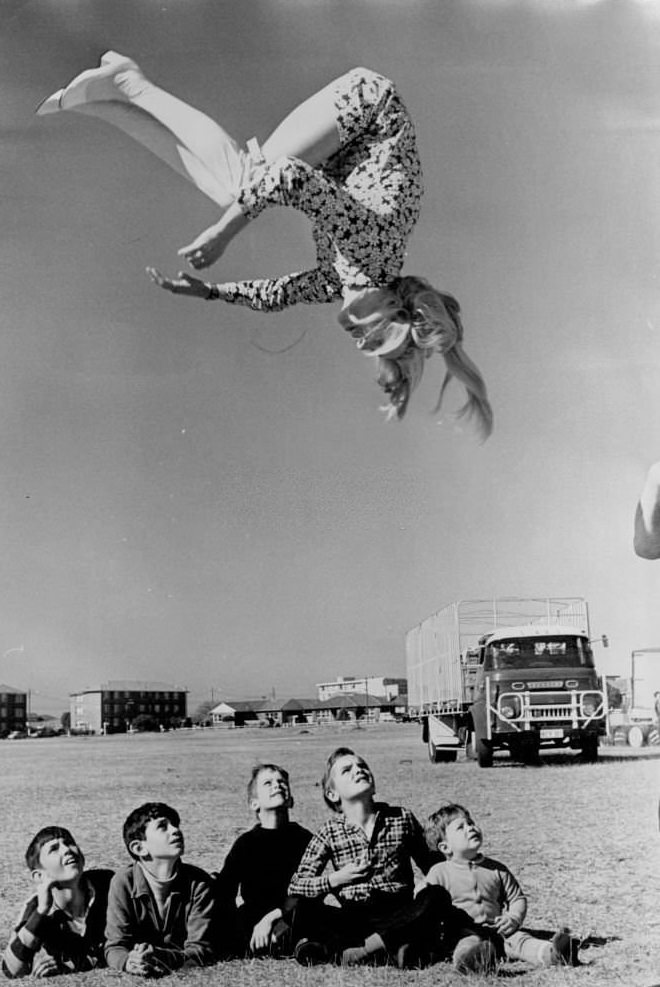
column 176, row 503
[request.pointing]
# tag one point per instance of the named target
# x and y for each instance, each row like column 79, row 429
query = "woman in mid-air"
column 347, row 158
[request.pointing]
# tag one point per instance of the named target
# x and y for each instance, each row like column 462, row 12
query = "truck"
column 636, row 720
column 512, row 673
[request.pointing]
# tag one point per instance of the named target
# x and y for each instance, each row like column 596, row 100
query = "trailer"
column 513, row 673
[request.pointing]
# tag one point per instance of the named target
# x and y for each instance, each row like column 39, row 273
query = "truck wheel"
column 636, row 736
column 438, row 755
column 484, row 753
column 528, row 752
column 590, row 748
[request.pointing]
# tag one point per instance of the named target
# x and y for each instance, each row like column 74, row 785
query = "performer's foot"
column 93, row 85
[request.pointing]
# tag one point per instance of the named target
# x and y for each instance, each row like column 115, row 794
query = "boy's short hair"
column 256, row 771
column 138, row 820
column 38, row 841
column 329, row 765
column 436, row 826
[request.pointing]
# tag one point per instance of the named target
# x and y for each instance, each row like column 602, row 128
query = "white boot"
column 91, row 86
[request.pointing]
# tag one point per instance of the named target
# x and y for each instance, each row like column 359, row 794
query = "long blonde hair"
column 402, row 325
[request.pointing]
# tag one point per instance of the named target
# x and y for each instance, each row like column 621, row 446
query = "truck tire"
column 484, row 753
column 590, row 748
column 636, row 736
column 437, row 755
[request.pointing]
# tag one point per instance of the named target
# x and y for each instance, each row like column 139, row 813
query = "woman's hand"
column 207, row 248
column 183, row 284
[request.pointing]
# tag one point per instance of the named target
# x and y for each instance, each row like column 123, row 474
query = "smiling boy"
column 61, row 927
column 159, row 908
column 259, row 866
column 369, row 847
column 492, row 902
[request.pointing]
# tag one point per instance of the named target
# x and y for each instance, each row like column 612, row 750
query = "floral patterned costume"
column 363, row 201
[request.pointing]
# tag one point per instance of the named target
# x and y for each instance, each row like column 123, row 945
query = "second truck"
column 513, row 674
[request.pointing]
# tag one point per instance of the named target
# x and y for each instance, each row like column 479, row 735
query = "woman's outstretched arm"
column 260, row 294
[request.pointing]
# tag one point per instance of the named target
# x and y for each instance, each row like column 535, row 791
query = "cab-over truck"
column 512, row 674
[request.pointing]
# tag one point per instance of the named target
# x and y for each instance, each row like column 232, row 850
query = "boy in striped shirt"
column 61, row 928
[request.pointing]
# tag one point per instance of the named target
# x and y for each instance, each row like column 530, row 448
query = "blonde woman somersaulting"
column 347, row 158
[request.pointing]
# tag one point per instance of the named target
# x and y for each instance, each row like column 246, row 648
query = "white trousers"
column 186, row 139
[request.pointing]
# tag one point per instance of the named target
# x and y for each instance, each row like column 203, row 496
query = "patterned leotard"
column 363, row 201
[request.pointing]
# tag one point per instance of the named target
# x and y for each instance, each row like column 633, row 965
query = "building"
column 114, row 706
column 272, row 712
column 13, row 710
column 373, row 685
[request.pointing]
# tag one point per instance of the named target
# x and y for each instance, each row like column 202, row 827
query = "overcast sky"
column 176, row 503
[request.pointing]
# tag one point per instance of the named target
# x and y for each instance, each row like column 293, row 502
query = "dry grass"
column 583, row 839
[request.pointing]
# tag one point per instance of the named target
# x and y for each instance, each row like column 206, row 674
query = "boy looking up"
column 159, row 909
column 369, row 847
column 488, row 894
column 61, row 927
column 260, row 865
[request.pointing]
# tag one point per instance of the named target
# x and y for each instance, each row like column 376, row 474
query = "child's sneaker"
column 308, row 952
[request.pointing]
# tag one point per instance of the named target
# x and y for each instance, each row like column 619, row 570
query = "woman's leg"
column 309, row 132
column 187, row 140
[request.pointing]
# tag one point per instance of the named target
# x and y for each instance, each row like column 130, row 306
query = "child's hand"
column 260, row 938
column 45, row 967
column 505, row 924
column 45, row 895
column 352, row 873
column 139, row 961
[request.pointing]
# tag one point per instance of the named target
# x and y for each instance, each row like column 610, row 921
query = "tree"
column 65, row 720
column 201, row 714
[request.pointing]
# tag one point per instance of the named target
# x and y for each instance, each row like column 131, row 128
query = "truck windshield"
column 525, row 652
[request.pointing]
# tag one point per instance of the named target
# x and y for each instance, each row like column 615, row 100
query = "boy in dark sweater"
column 259, row 866
column 61, row 928
column 160, row 909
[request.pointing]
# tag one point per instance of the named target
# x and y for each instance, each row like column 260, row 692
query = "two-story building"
column 13, row 710
column 114, row 706
column 374, row 685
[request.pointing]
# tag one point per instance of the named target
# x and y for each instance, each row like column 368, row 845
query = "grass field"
column 583, row 839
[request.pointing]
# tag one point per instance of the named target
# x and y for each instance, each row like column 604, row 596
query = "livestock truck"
column 512, row 674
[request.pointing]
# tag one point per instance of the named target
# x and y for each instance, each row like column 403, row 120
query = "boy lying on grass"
column 369, row 846
column 159, row 909
column 259, row 866
column 61, row 926
column 490, row 898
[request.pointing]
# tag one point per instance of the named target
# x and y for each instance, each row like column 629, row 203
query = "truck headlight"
column 508, row 711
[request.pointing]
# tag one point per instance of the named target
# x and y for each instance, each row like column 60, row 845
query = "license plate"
column 552, row 734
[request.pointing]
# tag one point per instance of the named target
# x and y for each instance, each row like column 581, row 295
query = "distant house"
column 114, row 706
column 354, row 706
column 373, row 684
column 13, row 710
column 235, row 713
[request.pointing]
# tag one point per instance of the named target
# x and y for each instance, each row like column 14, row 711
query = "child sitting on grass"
column 159, row 909
column 486, row 891
column 61, row 927
column 369, row 845
column 259, row 865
